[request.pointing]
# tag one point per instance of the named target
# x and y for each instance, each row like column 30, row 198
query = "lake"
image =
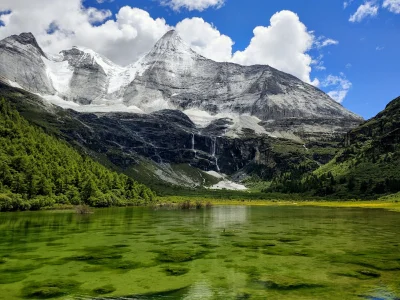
column 224, row 252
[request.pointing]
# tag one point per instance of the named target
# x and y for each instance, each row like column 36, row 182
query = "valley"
column 198, row 167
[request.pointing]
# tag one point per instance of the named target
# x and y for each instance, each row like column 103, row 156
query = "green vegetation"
column 176, row 270
column 367, row 167
column 274, row 252
column 49, row 289
column 38, row 170
column 105, row 289
column 179, row 255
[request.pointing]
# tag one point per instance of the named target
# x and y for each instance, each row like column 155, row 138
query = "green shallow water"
column 219, row 253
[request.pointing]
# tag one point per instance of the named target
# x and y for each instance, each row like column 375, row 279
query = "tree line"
column 38, row 170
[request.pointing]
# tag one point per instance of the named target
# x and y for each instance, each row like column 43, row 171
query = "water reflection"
column 227, row 217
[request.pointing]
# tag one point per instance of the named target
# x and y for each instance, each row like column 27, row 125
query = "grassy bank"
column 390, row 203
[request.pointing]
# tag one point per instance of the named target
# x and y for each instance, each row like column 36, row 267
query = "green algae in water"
column 253, row 244
column 98, row 255
column 360, row 274
column 11, row 277
column 179, row 255
column 104, row 290
column 176, row 270
column 284, row 251
column 269, row 284
column 49, row 289
column 263, row 253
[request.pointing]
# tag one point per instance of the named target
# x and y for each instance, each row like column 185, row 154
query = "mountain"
column 173, row 76
column 38, row 170
column 367, row 166
column 165, row 148
column 22, row 63
column 174, row 117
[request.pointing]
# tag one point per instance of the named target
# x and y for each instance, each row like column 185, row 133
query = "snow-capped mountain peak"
column 171, row 44
column 170, row 76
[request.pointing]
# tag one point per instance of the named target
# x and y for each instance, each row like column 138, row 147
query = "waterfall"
column 193, row 149
column 213, row 150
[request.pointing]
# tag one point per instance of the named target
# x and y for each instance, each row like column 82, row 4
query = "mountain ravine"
column 174, row 110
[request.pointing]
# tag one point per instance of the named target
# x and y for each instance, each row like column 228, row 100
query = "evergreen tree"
column 38, row 170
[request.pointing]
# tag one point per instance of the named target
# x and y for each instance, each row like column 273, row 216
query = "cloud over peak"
column 130, row 33
column 282, row 45
column 205, row 39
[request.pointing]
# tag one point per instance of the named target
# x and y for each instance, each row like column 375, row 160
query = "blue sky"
column 361, row 61
column 367, row 53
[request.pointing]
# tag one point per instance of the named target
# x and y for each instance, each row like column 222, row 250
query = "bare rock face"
column 183, row 79
column 21, row 62
column 172, row 76
column 88, row 81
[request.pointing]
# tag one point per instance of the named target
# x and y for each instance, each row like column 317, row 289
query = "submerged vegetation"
column 83, row 209
column 171, row 203
column 38, row 170
column 49, row 289
column 227, row 252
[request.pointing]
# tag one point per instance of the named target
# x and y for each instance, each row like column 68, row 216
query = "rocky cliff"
column 173, row 76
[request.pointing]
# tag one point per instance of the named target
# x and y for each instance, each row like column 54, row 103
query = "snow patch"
column 107, row 65
column 14, row 84
column 94, row 108
column 200, row 117
column 60, row 74
column 215, row 174
column 157, row 104
column 121, row 77
column 228, row 185
column 239, row 122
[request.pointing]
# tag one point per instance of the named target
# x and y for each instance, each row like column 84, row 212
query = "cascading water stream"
column 213, row 151
column 193, row 149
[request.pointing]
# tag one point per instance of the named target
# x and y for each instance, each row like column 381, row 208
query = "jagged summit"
column 28, row 39
column 172, row 76
column 171, row 46
column 22, row 64
column 170, row 39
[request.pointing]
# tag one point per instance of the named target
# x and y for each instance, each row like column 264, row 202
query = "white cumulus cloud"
column 282, row 45
column 368, row 9
column 130, row 33
column 339, row 86
column 60, row 24
column 97, row 15
column 205, row 39
column 392, row 5
column 199, row 5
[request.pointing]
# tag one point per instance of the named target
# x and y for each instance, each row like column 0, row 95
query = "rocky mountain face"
column 166, row 145
column 367, row 165
column 185, row 80
column 175, row 107
column 22, row 64
column 173, row 76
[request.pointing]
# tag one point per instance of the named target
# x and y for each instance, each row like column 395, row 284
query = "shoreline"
column 392, row 205
column 389, row 205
